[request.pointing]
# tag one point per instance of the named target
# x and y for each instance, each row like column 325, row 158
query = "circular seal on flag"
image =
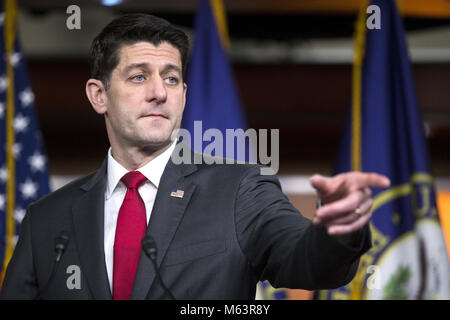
column 412, row 267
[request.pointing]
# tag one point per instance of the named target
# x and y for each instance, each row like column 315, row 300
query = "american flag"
column 177, row 193
column 24, row 177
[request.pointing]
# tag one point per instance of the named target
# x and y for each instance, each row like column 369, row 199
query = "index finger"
column 374, row 180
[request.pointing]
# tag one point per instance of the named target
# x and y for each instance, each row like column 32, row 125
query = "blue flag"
column 385, row 134
column 212, row 101
column 23, row 168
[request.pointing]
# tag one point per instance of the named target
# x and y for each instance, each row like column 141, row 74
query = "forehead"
column 146, row 52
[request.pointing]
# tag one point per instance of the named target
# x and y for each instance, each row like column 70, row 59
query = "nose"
column 156, row 90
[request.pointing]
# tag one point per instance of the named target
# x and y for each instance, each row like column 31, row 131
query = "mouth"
column 155, row 116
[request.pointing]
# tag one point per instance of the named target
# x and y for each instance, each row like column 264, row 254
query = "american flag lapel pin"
column 177, row 193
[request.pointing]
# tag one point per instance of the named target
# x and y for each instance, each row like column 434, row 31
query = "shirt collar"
column 153, row 170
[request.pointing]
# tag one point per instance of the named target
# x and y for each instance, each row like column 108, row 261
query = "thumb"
column 319, row 183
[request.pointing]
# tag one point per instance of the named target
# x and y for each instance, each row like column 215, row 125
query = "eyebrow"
column 136, row 66
column 167, row 68
column 171, row 67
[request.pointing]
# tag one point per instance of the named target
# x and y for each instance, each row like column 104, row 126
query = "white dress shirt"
column 115, row 193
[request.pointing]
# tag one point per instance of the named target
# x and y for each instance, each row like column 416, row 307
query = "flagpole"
column 357, row 87
column 221, row 22
column 10, row 30
column 360, row 35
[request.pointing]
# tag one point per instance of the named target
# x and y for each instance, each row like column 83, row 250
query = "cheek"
column 179, row 104
column 125, row 105
column 130, row 98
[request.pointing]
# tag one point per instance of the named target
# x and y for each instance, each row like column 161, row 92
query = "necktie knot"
column 133, row 179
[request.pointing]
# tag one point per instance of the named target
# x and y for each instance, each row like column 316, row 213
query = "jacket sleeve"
column 284, row 247
column 20, row 281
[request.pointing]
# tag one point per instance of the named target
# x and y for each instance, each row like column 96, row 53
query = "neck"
column 132, row 158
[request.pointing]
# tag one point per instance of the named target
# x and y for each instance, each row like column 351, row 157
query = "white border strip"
column 296, row 184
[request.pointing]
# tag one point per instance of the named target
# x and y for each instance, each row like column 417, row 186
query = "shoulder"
column 202, row 163
column 62, row 196
column 233, row 171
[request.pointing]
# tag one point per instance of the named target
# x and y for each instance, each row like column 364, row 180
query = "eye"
column 172, row 80
column 138, row 78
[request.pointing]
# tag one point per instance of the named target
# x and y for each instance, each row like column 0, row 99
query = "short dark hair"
column 130, row 29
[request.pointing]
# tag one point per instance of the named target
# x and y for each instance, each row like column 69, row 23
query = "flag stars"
column 3, row 174
column 20, row 123
column 28, row 189
column 2, row 202
column 26, row 97
column 14, row 240
column 14, row 58
column 16, row 150
column 37, row 162
column 3, row 83
column 19, row 214
column 2, row 110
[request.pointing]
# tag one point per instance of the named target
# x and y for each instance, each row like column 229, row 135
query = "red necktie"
column 130, row 229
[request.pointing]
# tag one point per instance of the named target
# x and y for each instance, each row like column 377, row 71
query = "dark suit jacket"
column 231, row 228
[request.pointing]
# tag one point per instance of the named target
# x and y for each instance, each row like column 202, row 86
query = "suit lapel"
column 88, row 221
column 166, row 215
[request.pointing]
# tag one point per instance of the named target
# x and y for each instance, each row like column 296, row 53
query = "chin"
column 155, row 142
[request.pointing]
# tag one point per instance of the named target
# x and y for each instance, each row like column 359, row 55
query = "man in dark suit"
column 217, row 229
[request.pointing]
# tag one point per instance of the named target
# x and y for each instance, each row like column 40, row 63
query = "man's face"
column 146, row 98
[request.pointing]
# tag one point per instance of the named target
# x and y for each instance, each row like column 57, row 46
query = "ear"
column 184, row 94
column 96, row 94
